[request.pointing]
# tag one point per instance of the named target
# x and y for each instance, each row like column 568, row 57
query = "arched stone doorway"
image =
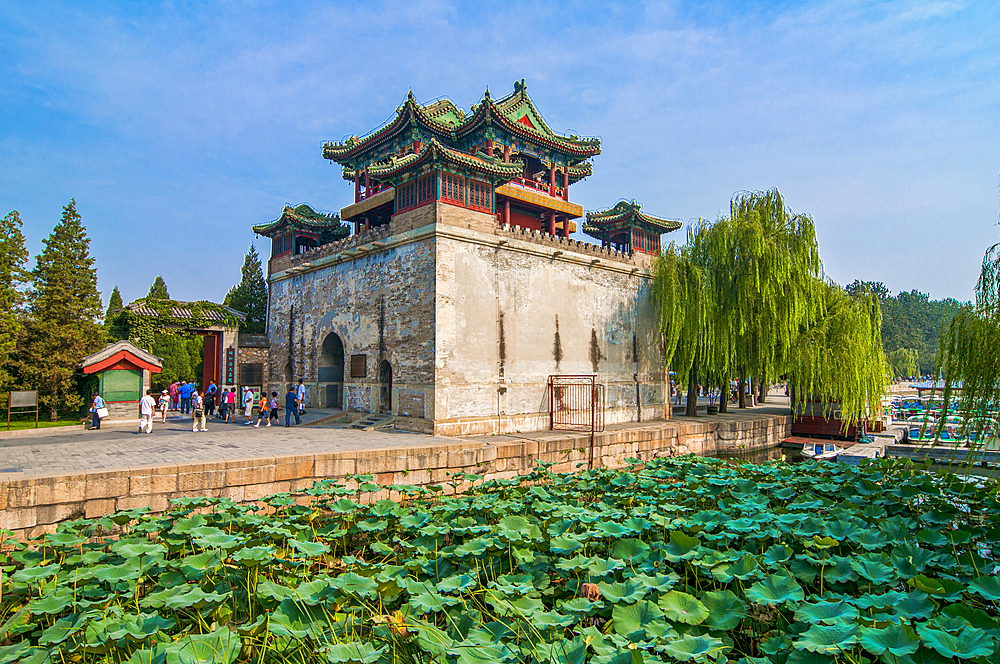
column 385, row 387
column 288, row 373
column 331, row 370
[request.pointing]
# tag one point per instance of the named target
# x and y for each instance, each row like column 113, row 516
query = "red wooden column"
column 565, row 229
column 357, row 187
column 368, row 184
column 506, row 153
column 565, row 184
column 552, row 223
column 489, row 146
column 506, row 211
column 552, row 182
column 368, row 224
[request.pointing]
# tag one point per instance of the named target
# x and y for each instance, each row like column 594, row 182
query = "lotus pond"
column 686, row 560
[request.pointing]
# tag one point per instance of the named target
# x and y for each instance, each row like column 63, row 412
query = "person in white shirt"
column 247, row 404
column 300, row 395
column 147, row 408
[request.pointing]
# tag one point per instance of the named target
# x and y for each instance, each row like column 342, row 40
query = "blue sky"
column 179, row 125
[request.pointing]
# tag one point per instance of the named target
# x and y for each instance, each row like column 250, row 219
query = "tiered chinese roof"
column 514, row 116
column 326, row 227
column 626, row 214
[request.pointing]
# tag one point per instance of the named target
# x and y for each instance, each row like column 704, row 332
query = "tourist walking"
column 262, row 410
column 209, row 400
column 164, row 404
column 174, row 393
column 211, row 390
column 147, row 409
column 197, row 412
column 291, row 408
column 300, row 396
column 95, row 408
column 247, row 403
column 231, row 405
column 185, row 390
column 273, row 405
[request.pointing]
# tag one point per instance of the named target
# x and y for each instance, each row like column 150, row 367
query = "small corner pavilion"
column 627, row 228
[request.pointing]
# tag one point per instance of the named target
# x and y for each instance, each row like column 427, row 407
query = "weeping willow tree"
column 745, row 297
column 837, row 357
column 680, row 293
column 968, row 364
column 904, row 362
column 769, row 268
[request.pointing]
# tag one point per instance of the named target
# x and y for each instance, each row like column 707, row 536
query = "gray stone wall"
column 473, row 319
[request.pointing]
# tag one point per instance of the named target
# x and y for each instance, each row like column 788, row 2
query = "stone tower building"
column 460, row 292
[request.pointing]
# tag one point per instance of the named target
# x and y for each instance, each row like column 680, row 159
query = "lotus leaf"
column 518, row 528
column 154, row 655
column 776, row 555
column 198, row 565
column 309, row 549
column 622, row 592
column 896, row 639
column 987, row 587
column 694, row 648
column 65, row 627
column 219, row 647
column 725, row 609
column 481, row 653
column 427, row 602
column 564, row 651
column 254, row 556
column 913, row 605
column 611, row 529
column 457, row 583
column 838, row 570
column 684, row 608
column 633, row 620
column 138, row 548
column 579, row 605
column 563, row 544
column 29, row 574
column 600, row 567
column 827, row 639
column 875, row 568
column 630, row 550
column 352, row 651
column 53, row 603
column 681, row 546
column 775, row 589
column 969, row 643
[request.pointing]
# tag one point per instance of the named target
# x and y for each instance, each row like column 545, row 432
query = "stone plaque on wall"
column 359, row 366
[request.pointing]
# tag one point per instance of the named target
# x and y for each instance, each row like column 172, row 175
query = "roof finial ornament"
column 486, row 96
column 519, row 86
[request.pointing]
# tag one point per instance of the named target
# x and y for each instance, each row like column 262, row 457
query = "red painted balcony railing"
column 371, row 191
column 542, row 187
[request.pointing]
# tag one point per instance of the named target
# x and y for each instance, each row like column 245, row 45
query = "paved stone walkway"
column 78, row 450
column 69, row 450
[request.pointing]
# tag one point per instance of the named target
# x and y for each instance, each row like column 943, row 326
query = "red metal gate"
column 576, row 403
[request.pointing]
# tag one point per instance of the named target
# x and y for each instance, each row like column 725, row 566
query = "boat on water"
column 826, row 451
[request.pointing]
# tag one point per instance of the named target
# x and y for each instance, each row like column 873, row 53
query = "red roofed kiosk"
column 123, row 371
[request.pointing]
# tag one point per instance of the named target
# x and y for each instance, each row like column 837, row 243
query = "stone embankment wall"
column 35, row 504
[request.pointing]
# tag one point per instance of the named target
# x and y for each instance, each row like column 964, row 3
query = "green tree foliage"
column 967, row 356
column 115, row 305
column 250, row 296
column 904, row 362
column 837, row 357
column 158, row 291
column 745, row 297
column 910, row 320
column 13, row 275
column 182, row 356
column 64, row 306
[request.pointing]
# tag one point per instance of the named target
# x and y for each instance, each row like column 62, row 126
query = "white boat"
column 826, row 451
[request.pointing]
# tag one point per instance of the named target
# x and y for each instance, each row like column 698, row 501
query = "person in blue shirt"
column 185, row 391
column 291, row 408
column 95, row 422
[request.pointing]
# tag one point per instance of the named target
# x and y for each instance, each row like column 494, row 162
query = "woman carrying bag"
column 197, row 412
column 99, row 409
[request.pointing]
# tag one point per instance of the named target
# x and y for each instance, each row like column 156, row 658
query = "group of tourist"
column 184, row 397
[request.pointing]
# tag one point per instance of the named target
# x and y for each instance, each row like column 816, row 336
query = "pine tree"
column 13, row 274
column 250, row 296
column 115, row 305
column 158, row 291
column 61, row 327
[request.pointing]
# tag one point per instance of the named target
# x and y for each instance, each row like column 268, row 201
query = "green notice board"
column 121, row 385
